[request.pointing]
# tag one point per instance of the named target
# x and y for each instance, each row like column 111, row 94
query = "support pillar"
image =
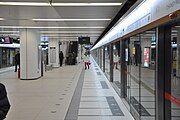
column 163, row 72
column 63, row 48
column 30, row 54
column 53, row 52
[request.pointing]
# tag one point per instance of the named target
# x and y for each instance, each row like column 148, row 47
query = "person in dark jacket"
column 4, row 102
column 17, row 61
column 61, row 57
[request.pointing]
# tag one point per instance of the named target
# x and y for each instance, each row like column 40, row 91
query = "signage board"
column 146, row 56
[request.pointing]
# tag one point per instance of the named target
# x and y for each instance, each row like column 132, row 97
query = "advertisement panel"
column 146, row 57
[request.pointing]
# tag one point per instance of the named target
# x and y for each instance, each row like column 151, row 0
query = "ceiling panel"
column 23, row 15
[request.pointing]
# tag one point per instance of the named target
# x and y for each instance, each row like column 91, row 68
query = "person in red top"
column 86, row 61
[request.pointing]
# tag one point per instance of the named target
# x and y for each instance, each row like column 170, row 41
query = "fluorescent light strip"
column 96, row 27
column 71, row 19
column 1, row 18
column 74, row 32
column 71, row 35
column 9, row 31
column 24, row 4
column 64, row 37
column 86, row 4
column 57, row 4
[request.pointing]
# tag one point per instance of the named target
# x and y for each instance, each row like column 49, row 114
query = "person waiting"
column 17, row 61
column 61, row 57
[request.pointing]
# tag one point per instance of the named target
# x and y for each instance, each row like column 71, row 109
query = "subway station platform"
column 65, row 93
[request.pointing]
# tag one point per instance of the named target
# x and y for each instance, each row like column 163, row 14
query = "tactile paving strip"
column 98, row 73
column 118, row 84
column 72, row 113
column 104, row 85
column 114, row 107
column 139, row 108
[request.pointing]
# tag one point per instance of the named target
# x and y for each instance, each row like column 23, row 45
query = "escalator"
column 72, row 53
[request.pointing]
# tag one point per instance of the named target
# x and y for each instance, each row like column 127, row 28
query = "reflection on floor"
column 49, row 98
column 147, row 92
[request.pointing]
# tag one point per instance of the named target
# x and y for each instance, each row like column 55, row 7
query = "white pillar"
column 63, row 48
column 30, row 54
column 79, row 54
column 53, row 52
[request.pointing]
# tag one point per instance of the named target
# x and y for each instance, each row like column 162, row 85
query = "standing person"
column 17, row 61
column 4, row 102
column 61, row 57
column 86, row 61
column 116, row 59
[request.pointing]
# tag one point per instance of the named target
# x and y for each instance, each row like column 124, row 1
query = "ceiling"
column 17, row 16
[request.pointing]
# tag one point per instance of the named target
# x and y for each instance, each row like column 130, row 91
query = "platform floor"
column 65, row 93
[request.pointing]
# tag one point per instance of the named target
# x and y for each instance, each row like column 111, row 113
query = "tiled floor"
column 99, row 101
column 49, row 97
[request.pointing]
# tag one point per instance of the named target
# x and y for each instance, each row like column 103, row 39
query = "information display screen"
column 84, row 40
column 6, row 40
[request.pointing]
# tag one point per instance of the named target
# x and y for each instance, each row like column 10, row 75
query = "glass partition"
column 147, row 65
column 101, row 58
column 132, row 58
column 116, row 65
column 107, row 61
column 140, row 60
column 174, row 96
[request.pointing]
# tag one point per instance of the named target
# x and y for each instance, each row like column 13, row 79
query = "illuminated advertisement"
column 146, row 57
column 133, row 51
column 126, row 54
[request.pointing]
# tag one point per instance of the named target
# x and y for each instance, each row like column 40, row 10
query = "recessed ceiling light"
column 52, row 27
column 58, row 4
column 71, row 19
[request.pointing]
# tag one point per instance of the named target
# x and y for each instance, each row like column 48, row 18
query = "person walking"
column 4, row 102
column 17, row 61
column 61, row 57
column 86, row 61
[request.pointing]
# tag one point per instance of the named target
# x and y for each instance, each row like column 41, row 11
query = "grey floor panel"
column 118, row 84
column 114, row 107
column 104, row 85
column 139, row 108
column 98, row 73
column 72, row 113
